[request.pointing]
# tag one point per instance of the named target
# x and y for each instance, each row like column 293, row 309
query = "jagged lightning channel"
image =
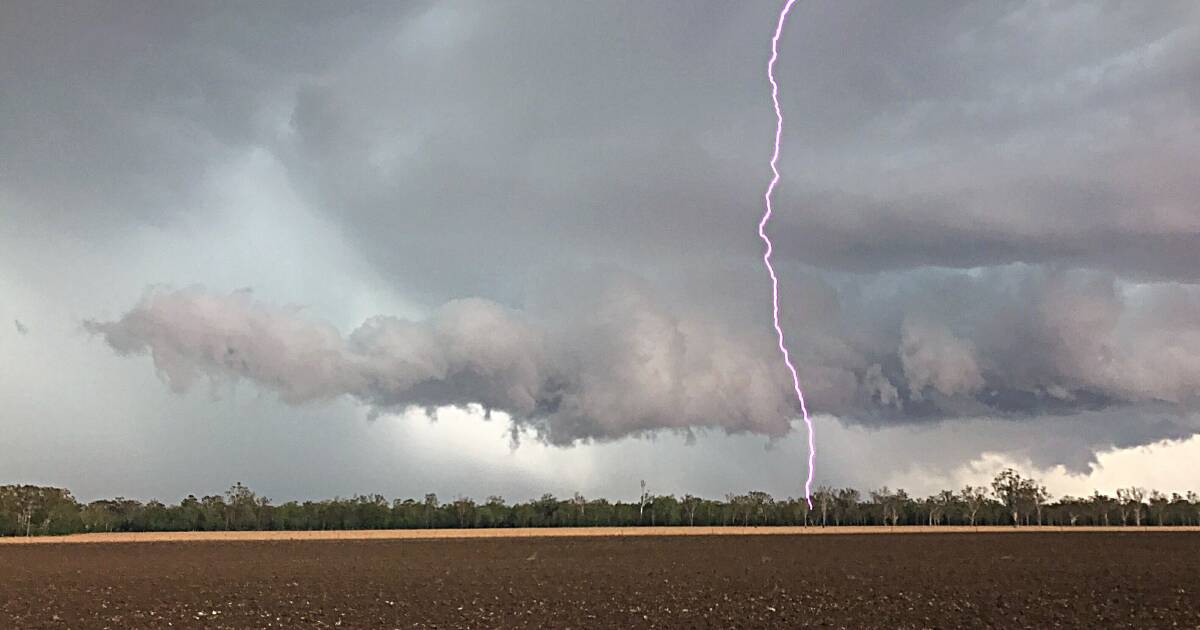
column 762, row 233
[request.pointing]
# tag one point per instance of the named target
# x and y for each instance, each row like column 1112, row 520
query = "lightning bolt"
column 762, row 233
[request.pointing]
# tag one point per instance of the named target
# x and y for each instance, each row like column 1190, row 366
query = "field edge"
column 562, row 532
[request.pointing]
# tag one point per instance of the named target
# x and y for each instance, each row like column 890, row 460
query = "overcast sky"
column 509, row 247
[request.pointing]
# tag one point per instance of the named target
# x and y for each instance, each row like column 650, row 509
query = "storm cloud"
column 988, row 212
column 611, row 365
column 616, row 360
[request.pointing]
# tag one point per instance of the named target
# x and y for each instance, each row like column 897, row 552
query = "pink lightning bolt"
column 762, row 233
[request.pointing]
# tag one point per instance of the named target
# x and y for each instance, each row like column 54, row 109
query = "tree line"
column 27, row 510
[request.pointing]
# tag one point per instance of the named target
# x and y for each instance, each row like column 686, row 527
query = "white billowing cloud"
column 604, row 366
column 933, row 357
column 610, row 356
column 1135, row 342
column 1165, row 465
column 1025, row 339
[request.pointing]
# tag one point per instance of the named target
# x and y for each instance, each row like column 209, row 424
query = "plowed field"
column 968, row 580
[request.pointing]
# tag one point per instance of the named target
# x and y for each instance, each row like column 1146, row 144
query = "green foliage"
column 27, row 510
column 35, row 510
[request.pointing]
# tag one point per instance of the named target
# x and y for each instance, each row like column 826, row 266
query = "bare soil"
column 936, row 580
column 560, row 532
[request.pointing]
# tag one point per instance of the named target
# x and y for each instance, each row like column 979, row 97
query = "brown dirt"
column 556, row 532
column 1036, row 580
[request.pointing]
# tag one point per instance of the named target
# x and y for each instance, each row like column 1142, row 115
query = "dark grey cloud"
column 917, row 135
column 960, row 134
column 115, row 115
column 989, row 133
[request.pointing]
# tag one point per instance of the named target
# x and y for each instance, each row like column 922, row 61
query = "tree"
column 495, row 512
column 690, row 503
column 879, row 500
column 547, row 507
column 1073, row 507
column 1131, row 500
column 727, row 509
column 1137, row 496
column 21, row 502
column 1037, row 495
column 1180, row 509
column 27, row 510
column 242, row 505
column 97, row 517
column 757, row 504
column 1101, row 505
column 1123, row 506
column 1010, row 489
column 845, row 505
column 430, row 508
column 667, row 509
column 895, row 504
column 974, row 498
column 938, row 505
column 738, row 504
column 190, row 513
column 797, row 510
column 602, row 512
column 1158, row 505
column 580, row 505
column 33, row 510
column 216, row 516
column 407, row 514
column 890, row 504
column 643, row 502
column 823, row 497
column 371, row 511
column 464, row 509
